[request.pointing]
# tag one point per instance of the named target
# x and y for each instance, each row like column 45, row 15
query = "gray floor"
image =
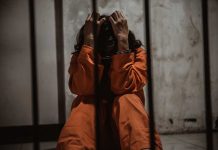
column 170, row 142
column 187, row 141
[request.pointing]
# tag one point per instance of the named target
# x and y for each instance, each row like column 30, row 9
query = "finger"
column 88, row 17
column 122, row 14
column 102, row 20
column 91, row 16
column 97, row 15
column 112, row 21
column 119, row 14
column 114, row 15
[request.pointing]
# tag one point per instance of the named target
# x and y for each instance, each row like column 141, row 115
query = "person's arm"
column 128, row 73
column 81, row 71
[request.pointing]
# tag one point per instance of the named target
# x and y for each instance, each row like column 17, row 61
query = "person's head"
column 106, row 41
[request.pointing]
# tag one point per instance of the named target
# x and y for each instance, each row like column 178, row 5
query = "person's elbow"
column 80, row 88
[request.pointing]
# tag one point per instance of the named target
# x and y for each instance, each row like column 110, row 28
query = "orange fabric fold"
column 128, row 76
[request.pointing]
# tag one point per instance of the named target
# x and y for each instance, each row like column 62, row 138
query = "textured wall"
column 177, row 55
column 177, row 59
column 15, row 86
column 15, row 63
column 46, row 62
column 178, row 63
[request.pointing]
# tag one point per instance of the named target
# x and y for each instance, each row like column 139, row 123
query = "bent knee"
column 129, row 101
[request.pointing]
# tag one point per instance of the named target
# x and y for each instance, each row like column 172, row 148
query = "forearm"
column 82, row 72
column 128, row 74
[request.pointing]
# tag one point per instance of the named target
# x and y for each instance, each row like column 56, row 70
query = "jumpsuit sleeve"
column 129, row 72
column 81, row 71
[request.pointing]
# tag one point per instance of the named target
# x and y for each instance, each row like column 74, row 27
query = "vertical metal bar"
column 96, row 81
column 207, row 87
column 58, row 4
column 34, row 74
column 149, row 73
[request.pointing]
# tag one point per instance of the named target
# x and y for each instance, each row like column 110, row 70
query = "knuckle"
column 122, row 20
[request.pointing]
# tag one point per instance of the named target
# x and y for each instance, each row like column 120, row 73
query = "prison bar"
column 34, row 74
column 58, row 7
column 96, row 80
column 207, row 86
column 149, row 74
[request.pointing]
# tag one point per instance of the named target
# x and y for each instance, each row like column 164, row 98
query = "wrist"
column 122, row 37
column 123, row 43
column 89, row 42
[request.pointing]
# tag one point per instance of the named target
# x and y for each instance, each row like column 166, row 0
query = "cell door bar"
column 207, row 86
column 34, row 74
column 58, row 6
column 96, row 81
column 149, row 74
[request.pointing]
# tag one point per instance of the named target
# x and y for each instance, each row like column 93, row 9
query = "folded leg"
column 78, row 132
column 132, row 122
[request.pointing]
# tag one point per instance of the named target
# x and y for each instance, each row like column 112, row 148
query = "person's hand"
column 88, row 29
column 120, row 28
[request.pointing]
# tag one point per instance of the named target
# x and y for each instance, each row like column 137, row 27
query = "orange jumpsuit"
column 128, row 76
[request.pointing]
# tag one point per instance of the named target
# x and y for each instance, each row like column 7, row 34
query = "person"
column 124, row 123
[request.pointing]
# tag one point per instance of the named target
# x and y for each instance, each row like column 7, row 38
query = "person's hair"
column 133, row 43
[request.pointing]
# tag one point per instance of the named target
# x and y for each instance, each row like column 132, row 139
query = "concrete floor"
column 170, row 142
column 187, row 141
